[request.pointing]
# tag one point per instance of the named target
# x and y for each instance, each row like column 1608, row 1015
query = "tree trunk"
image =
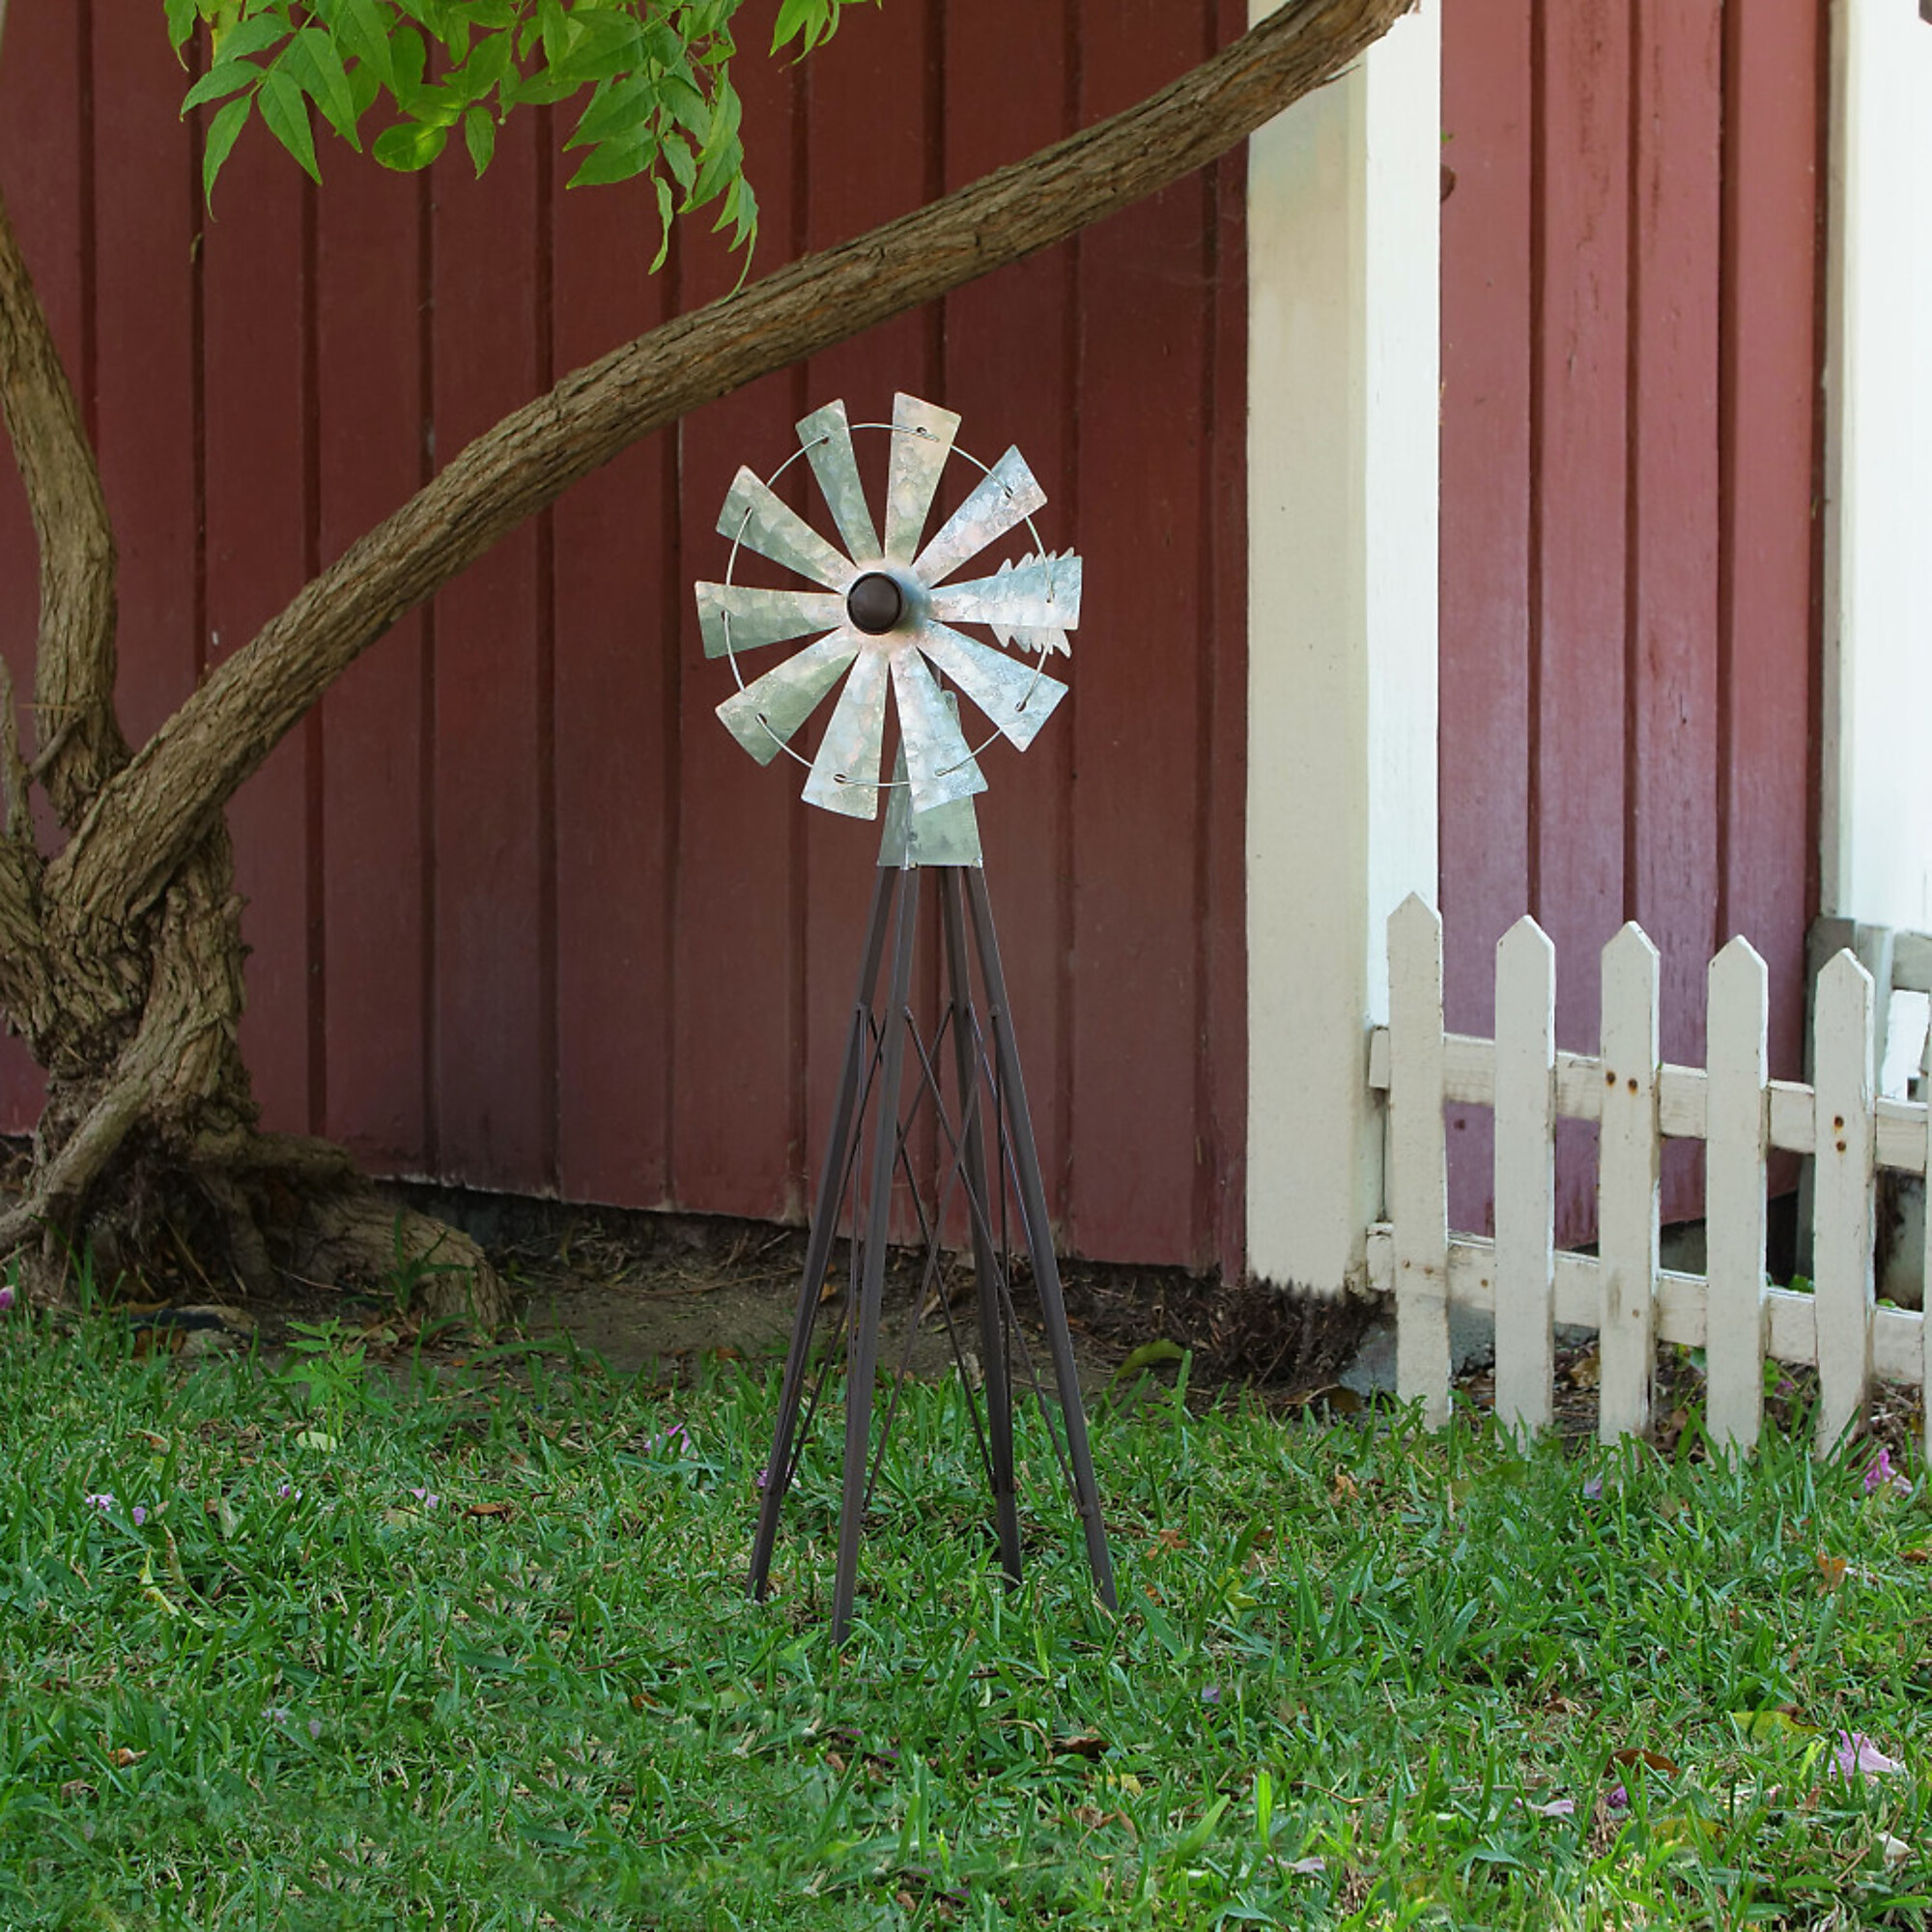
column 120, row 953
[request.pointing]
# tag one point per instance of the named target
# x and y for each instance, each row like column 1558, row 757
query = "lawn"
column 334, row 1646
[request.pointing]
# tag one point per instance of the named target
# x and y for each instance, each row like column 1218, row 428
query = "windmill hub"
column 875, row 604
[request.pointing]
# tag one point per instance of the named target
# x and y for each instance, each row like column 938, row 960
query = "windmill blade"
column 922, row 440
column 846, row 774
column 1043, row 593
column 938, row 757
column 764, row 715
column 739, row 618
column 827, row 436
column 756, row 518
column 1007, row 495
column 1016, row 697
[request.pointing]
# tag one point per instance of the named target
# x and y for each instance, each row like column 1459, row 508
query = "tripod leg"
column 862, row 1349
column 1040, row 1241
column 824, row 1228
column 985, row 1264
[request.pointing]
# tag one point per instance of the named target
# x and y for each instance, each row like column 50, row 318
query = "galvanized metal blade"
column 756, row 518
column 1015, row 697
column 764, row 715
column 827, row 436
column 922, row 440
column 949, row 835
column 846, row 774
column 938, row 758
column 740, row 618
column 1009, row 494
column 1040, row 593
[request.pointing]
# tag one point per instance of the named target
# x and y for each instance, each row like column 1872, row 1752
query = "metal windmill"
column 882, row 617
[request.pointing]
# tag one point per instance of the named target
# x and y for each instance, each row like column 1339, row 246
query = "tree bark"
column 148, row 815
column 119, row 955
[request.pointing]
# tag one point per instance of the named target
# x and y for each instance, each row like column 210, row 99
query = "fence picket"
column 1845, row 1167
column 1526, row 1176
column 1925, row 1313
column 1417, row 1188
column 1626, row 1185
column 1737, row 1121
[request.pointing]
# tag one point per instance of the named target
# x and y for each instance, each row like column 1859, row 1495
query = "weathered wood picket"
column 1637, row 1101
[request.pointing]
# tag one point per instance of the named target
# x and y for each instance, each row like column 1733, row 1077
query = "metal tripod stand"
column 988, row 1114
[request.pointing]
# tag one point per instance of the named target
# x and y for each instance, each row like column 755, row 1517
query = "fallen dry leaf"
column 121, row 1757
column 1343, row 1486
column 497, row 1510
column 1650, row 1760
column 1082, row 1744
column 1830, row 1571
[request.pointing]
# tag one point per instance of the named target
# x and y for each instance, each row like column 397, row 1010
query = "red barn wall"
column 1632, row 256
column 523, row 917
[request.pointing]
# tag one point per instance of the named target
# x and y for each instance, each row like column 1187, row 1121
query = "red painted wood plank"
column 370, row 329
column 147, row 217
column 1009, row 370
column 739, row 1141
column 1581, row 349
column 1144, row 344
column 1485, row 571
column 254, row 298
column 41, row 157
column 1774, row 90
column 1220, row 1231
column 865, row 168
column 492, row 1085
column 619, row 594
column 1671, row 863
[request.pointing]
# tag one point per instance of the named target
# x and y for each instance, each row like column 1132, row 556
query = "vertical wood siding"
column 1631, row 259
column 523, row 917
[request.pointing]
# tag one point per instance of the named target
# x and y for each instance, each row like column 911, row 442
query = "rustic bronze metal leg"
column 1039, row 1239
column 985, row 1262
column 831, row 1183
column 863, row 1347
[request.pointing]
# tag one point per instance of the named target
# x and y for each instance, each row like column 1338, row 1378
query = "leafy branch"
column 660, row 99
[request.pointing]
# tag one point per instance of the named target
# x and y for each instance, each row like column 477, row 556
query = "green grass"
column 1349, row 1661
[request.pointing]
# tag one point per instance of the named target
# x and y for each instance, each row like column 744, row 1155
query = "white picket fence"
column 1637, row 1101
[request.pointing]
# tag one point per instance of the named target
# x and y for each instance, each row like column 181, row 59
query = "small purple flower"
column 140, row 1514
column 1857, row 1755
column 1883, row 1476
column 288, row 1490
column 1619, row 1799
column 314, row 1729
column 763, row 1479
column 5, row 1296
column 1211, row 1695
column 101, row 1499
column 428, row 1498
column 1593, row 1489
column 278, row 1715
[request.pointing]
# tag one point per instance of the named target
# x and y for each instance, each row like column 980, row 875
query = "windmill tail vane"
column 882, row 618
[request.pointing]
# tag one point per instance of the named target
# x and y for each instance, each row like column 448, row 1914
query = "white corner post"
column 1876, row 811
column 1344, row 194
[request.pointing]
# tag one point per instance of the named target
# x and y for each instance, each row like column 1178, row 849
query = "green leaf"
column 410, row 145
column 360, row 31
column 479, row 134
column 486, row 66
column 665, row 210
column 285, row 109
column 619, row 110
column 181, row 18
column 254, row 35
column 615, row 162
column 220, row 80
column 1149, row 1356
column 222, row 131
column 318, row 69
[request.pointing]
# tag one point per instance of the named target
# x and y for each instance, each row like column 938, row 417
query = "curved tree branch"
column 73, row 680
column 150, row 813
